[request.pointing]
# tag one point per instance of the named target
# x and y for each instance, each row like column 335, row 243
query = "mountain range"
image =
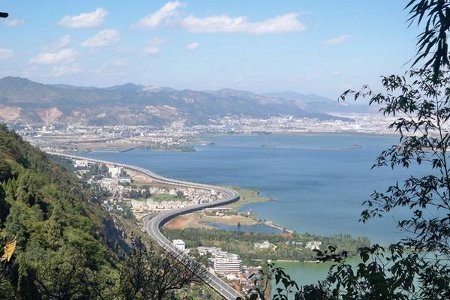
column 22, row 100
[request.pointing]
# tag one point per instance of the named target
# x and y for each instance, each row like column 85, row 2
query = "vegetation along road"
column 153, row 225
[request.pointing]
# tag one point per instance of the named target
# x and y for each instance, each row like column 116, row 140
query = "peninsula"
column 192, row 211
column 153, row 224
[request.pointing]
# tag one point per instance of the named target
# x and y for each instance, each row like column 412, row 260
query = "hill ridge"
column 135, row 104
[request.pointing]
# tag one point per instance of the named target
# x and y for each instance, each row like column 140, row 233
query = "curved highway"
column 153, row 225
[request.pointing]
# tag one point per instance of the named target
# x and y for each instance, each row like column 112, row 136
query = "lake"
column 317, row 182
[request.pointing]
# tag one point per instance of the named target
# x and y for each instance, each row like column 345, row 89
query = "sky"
column 306, row 46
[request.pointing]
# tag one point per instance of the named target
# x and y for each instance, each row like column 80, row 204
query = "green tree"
column 432, row 45
column 60, row 252
column 5, row 171
column 421, row 105
column 4, row 207
column 149, row 274
column 417, row 267
column 61, row 274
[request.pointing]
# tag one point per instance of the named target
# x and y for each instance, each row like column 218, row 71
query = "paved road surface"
column 153, row 225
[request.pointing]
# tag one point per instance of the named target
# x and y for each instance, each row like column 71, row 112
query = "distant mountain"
column 318, row 104
column 293, row 96
column 24, row 100
column 128, row 87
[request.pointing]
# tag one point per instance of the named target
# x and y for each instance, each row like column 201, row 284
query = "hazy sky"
column 308, row 46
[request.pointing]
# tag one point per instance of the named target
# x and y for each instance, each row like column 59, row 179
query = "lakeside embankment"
column 227, row 215
column 317, row 191
column 204, row 139
column 153, row 223
column 285, row 244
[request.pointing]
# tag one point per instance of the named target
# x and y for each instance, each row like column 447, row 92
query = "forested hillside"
column 60, row 244
column 60, row 249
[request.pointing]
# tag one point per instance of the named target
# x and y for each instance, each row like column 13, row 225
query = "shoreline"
column 153, row 224
column 287, row 133
column 256, row 219
column 190, row 146
column 165, row 218
column 230, row 215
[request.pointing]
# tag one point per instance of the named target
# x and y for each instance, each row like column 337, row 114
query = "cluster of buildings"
column 143, row 206
column 222, row 262
column 73, row 137
column 229, row 265
column 364, row 123
column 115, row 180
column 186, row 196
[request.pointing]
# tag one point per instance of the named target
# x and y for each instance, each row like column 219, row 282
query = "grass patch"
column 247, row 196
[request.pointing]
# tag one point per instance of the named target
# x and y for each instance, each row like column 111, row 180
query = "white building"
column 313, row 245
column 179, row 244
column 80, row 163
column 222, row 262
column 106, row 183
column 227, row 263
column 124, row 180
column 208, row 250
column 114, row 171
column 264, row 245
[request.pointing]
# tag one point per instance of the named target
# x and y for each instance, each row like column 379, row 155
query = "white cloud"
column 60, row 43
column 153, row 47
column 104, row 38
column 192, row 46
column 51, row 58
column 58, row 71
column 337, row 40
column 85, row 20
column 156, row 18
column 152, row 50
column 13, row 22
column 6, row 54
column 223, row 23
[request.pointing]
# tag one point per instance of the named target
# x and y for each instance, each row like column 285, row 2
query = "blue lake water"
column 317, row 182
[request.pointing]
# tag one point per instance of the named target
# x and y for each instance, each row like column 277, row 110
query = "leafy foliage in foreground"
column 149, row 275
column 418, row 266
column 432, row 44
column 63, row 241
column 60, row 252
